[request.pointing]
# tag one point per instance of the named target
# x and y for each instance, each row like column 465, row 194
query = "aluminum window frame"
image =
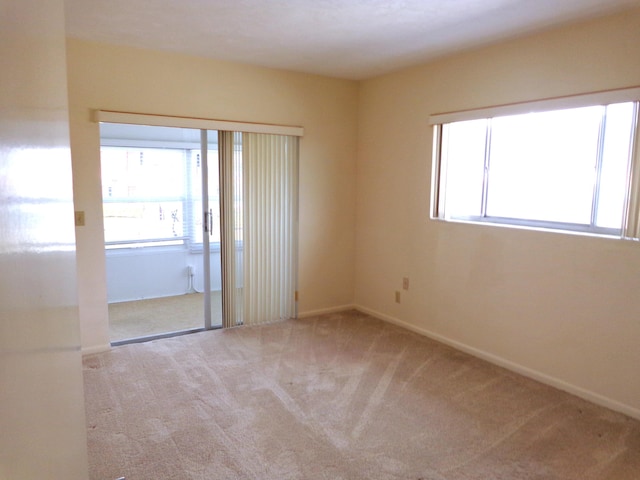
column 439, row 167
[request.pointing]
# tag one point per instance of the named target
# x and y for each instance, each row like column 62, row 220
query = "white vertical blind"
column 238, row 242
column 631, row 228
column 231, row 298
column 270, row 184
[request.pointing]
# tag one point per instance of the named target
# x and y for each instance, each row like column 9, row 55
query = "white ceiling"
column 353, row 39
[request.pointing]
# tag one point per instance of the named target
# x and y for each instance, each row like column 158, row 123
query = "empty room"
column 366, row 239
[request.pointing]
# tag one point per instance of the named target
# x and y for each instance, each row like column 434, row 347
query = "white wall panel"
column 42, row 424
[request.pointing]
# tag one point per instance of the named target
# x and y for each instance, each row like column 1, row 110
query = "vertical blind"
column 631, row 227
column 259, row 227
column 270, row 178
column 230, row 222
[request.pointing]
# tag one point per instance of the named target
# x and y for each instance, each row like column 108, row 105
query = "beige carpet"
column 340, row 396
column 155, row 316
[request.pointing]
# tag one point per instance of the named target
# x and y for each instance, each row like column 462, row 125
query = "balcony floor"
column 157, row 316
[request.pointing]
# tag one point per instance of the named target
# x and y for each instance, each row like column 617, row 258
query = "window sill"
column 567, row 229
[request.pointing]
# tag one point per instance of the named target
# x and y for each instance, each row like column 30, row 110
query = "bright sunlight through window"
column 563, row 169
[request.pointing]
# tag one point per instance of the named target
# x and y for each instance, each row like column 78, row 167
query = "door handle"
column 207, row 221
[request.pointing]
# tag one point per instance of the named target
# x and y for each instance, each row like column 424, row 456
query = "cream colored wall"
column 42, row 422
column 561, row 308
column 143, row 81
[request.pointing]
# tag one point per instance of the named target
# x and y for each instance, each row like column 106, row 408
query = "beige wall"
column 42, row 422
column 563, row 308
column 132, row 80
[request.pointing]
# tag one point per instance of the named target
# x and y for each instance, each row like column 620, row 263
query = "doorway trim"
column 108, row 116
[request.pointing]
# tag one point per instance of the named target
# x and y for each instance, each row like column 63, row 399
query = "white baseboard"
column 514, row 367
column 95, row 349
column 323, row 311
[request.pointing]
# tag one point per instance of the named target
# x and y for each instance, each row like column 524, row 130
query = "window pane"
column 197, row 210
column 463, row 147
column 142, row 220
column 143, row 192
column 542, row 165
column 194, row 223
column 615, row 161
column 214, row 193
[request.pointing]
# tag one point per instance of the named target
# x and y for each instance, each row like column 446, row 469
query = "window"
column 558, row 168
column 144, row 195
column 152, row 186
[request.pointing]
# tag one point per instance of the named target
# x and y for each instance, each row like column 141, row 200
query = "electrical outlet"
column 397, row 297
column 405, row 283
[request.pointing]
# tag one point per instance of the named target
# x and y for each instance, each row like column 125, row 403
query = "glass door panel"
column 153, row 202
column 214, row 306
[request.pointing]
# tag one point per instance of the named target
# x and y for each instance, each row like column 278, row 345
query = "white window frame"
column 631, row 225
column 155, row 242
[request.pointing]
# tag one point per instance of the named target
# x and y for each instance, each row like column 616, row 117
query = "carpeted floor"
column 341, row 396
column 153, row 316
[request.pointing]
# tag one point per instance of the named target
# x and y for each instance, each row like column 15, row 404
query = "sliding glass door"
column 211, row 239
column 163, row 271
column 200, row 226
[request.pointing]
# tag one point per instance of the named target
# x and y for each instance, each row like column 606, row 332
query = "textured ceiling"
column 353, row 39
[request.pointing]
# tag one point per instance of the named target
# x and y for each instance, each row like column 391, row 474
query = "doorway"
column 194, row 213
column 161, row 209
